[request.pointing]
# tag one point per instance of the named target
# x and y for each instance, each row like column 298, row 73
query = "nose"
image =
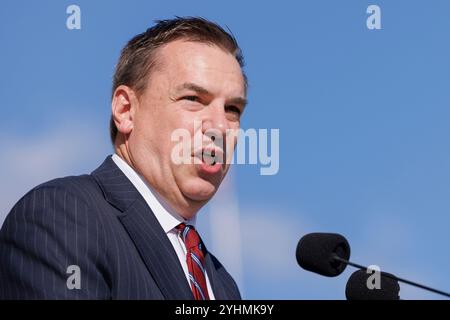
column 215, row 121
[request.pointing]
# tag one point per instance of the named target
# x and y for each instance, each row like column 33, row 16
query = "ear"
column 124, row 104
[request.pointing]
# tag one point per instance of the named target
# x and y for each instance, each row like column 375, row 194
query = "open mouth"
column 210, row 156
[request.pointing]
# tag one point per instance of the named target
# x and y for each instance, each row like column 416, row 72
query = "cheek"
column 190, row 121
column 189, row 124
column 235, row 125
column 179, row 130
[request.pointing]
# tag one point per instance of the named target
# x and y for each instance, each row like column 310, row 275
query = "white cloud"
column 67, row 149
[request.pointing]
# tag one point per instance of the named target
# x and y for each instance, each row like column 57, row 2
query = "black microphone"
column 316, row 251
column 328, row 254
column 357, row 287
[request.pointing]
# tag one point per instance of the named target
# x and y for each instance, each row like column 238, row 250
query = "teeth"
column 209, row 157
column 209, row 153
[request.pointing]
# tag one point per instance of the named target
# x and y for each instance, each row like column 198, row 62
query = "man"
column 127, row 230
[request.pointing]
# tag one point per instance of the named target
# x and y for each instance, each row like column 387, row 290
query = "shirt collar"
column 167, row 217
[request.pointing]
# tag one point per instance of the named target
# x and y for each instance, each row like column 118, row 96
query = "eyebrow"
column 200, row 90
column 193, row 87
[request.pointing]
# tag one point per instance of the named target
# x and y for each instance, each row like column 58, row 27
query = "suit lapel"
column 156, row 251
column 144, row 229
column 214, row 279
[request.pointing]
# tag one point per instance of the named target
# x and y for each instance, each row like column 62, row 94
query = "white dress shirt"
column 166, row 216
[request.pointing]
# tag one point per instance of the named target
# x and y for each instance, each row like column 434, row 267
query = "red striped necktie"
column 195, row 260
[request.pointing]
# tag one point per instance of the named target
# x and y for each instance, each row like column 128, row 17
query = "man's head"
column 177, row 73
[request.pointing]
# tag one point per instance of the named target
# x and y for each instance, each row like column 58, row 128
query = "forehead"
column 206, row 65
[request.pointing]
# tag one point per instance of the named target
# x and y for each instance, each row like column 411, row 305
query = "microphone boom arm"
column 445, row 294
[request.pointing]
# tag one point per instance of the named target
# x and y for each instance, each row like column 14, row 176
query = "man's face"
column 191, row 82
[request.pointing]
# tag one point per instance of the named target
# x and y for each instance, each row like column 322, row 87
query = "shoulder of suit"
column 83, row 187
column 77, row 197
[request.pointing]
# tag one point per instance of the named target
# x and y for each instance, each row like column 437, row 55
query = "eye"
column 233, row 109
column 190, row 98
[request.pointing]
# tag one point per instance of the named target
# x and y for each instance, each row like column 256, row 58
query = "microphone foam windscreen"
column 357, row 287
column 315, row 253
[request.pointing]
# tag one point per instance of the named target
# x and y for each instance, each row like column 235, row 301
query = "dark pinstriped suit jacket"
column 102, row 224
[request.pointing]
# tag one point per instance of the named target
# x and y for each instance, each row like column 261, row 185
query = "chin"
column 199, row 189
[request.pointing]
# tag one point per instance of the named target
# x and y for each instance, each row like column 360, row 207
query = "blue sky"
column 363, row 118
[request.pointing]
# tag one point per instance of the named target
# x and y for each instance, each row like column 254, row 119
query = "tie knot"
column 189, row 236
